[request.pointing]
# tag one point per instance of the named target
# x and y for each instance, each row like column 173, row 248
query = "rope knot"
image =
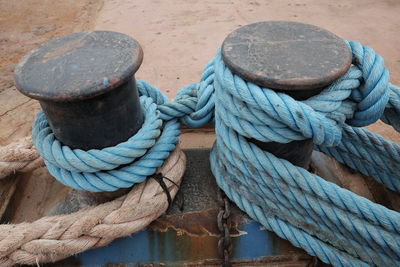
column 373, row 95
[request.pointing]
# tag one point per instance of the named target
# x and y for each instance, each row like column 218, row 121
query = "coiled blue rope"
column 327, row 221
column 110, row 168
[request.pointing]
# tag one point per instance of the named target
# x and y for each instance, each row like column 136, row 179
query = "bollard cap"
column 286, row 55
column 86, row 87
column 78, row 66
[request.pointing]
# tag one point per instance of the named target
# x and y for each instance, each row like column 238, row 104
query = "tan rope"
column 20, row 156
column 57, row 237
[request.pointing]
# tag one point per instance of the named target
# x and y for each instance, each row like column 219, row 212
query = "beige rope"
column 57, row 237
column 20, row 156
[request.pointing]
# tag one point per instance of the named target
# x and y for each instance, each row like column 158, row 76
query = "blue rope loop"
column 332, row 223
column 110, row 168
column 193, row 104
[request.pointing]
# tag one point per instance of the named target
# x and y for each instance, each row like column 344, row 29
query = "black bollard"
column 294, row 58
column 86, row 87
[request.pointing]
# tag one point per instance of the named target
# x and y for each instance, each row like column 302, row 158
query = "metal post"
column 86, row 86
column 294, row 58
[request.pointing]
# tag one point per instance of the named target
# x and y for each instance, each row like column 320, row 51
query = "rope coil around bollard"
column 327, row 221
column 153, row 149
column 334, row 224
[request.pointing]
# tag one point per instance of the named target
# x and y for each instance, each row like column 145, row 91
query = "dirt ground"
column 23, row 26
column 178, row 38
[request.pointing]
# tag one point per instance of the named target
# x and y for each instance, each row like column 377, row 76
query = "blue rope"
column 334, row 224
column 110, row 168
column 327, row 221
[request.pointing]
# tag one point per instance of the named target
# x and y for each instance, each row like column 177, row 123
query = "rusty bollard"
column 86, row 87
column 294, row 58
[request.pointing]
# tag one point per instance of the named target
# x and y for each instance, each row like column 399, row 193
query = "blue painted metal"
column 188, row 233
column 172, row 248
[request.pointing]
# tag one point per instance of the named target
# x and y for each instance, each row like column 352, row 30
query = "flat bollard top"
column 286, row 55
column 295, row 58
column 78, row 66
column 86, row 87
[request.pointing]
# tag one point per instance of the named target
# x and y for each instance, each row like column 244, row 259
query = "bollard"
column 289, row 57
column 86, row 87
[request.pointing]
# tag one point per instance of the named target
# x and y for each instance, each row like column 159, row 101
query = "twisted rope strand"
column 284, row 197
column 54, row 238
column 311, row 222
column 20, row 156
column 309, row 206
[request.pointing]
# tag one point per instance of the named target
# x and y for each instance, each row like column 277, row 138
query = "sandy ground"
column 178, row 37
column 23, row 26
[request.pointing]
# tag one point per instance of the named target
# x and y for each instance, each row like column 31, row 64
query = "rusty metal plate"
column 187, row 235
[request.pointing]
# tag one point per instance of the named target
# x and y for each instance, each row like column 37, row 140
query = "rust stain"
column 113, row 81
column 199, row 223
column 110, row 83
column 202, row 223
column 287, row 260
